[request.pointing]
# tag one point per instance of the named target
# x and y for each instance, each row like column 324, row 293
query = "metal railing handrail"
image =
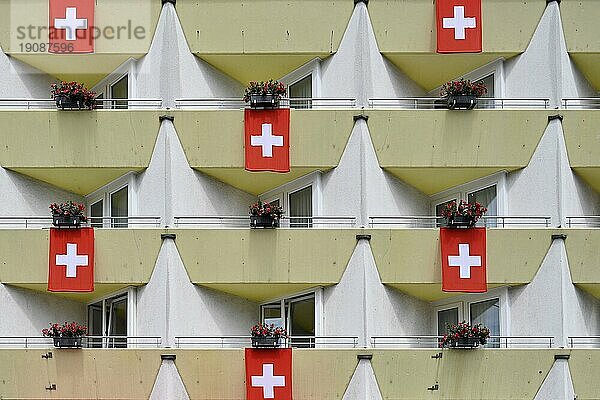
column 585, row 220
column 207, row 220
column 593, row 102
column 31, row 222
column 28, row 341
column 428, row 221
column 483, row 102
column 436, row 339
column 51, row 103
column 232, row 340
column 587, row 340
column 236, row 102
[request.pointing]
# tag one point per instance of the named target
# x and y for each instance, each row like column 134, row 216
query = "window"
column 112, row 205
column 298, row 315
column 488, row 81
column 111, row 316
column 301, row 90
column 488, row 191
column 120, row 90
column 300, row 200
column 120, row 84
column 489, row 309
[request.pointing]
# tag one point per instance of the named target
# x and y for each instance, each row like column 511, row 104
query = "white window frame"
column 461, row 192
column 105, row 194
column 319, row 314
column 464, row 307
column 312, row 67
column 495, row 67
column 282, row 193
column 131, row 293
column 128, row 68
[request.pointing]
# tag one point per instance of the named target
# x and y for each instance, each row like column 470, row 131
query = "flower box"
column 68, row 103
column 461, row 102
column 265, row 342
column 67, row 220
column 459, row 221
column 263, row 221
column 466, row 343
column 64, row 342
column 264, row 101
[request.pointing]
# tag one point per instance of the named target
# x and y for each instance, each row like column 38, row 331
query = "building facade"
column 354, row 272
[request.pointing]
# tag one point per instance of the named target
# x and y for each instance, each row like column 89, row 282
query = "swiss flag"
column 458, row 26
column 71, row 26
column 267, row 140
column 268, row 374
column 71, row 266
column 463, row 260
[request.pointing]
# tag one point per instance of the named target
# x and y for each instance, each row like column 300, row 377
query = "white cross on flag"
column 463, row 260
column 267, row 140
column 268, row 374
column 71, row 262
column 458, row 26
column 71, row 26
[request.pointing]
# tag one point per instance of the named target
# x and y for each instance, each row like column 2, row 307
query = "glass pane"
column 440, row 207
column 302, row 321
column 272, row 315
column 118, row 322
column 301, row 206
column 487, row 313
column 301, row 90
column 96, row 213
column 119, row 208
column 487, row 198
column 120, row 91
column 95, row 324
column 445, row 317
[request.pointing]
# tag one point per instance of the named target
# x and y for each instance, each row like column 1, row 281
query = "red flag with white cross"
column 267, row 140
column 458, row 26
column 71, row 26
column 71, row 263
column 268, row 374
column 463, row 260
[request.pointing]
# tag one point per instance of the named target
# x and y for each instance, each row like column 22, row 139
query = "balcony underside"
column 317, row 374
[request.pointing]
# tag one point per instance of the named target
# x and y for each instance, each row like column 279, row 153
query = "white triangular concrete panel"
column 170, row 71
column 207, row 312
column 363, row 384
column 558, row 384
column 26, row 312
column 555, row 77
column 358, row 70
column 19, row 80
column 170, row 187
column 168, row 384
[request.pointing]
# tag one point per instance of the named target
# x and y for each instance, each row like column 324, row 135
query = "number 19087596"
column 47, row 47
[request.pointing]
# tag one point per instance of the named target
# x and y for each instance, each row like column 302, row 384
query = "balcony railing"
column 420, row 221
column 434, row 341
column 234, row 103
column 439, row 103
column 582, row 103
column 96, row 222
column 225, row 342
column 108, row 342
column 584, row 341
column 244, row 222
column 50, row 104
column 590, row 221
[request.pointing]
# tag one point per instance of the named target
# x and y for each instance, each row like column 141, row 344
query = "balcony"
column 580, row 27
column 123, row 257
column 583, row 144
column 317, row 140
column 264, row 38
column 434, row 150
column 211, row 374
column 77, row 151
column 406, row 35
column 126, row 30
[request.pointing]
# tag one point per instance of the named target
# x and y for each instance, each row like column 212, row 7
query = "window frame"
column 131, row 293
column 104, row 87
column 461, row 192
column 495, row 68
column 311, row 67
column 282, row 193
column 302, row 295
column 105, row 194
